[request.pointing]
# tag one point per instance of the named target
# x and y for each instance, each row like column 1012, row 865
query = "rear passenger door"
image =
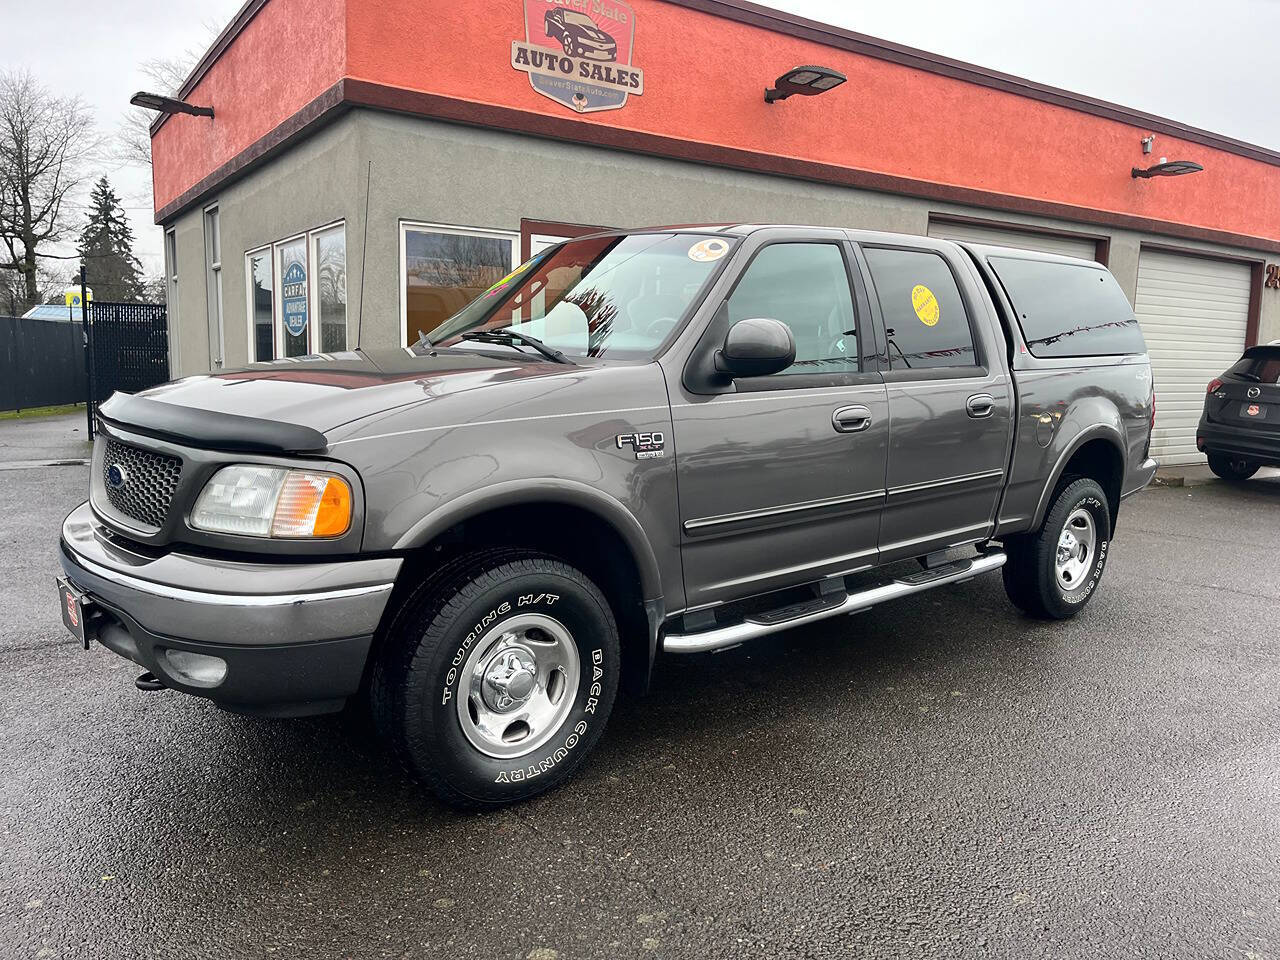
column 949, row 399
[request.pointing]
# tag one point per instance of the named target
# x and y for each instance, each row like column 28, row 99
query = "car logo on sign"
column 71, row 611
column 117, row 476
column 1253, row 410
column 578, row 58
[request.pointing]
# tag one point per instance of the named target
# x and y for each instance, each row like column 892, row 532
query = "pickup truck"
column 638, row 444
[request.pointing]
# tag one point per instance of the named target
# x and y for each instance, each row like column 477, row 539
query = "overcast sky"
column 1213, row 65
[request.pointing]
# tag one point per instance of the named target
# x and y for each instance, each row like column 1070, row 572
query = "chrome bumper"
column 208, row 600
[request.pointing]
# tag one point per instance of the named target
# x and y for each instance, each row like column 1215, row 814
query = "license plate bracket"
column 76, row 607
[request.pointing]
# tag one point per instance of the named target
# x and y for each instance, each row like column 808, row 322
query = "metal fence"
column 130, row 347
column 41, row 363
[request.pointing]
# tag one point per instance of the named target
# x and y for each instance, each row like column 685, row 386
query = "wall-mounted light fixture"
column 1146, row 144
column 1168, row 168
column 805, row 82
column 162, row 104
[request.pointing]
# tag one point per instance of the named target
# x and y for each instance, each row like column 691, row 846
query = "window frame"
column 314, row 330
column 421, row 226
column 171, row 295
column 277, row 304
column 250, row 306
column 211, row 217
column 982, row 362
column 866, row 372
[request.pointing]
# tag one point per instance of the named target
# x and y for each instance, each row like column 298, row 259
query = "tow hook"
column 148, row 682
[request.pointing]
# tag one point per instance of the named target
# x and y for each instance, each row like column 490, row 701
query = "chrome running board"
column 763, row 624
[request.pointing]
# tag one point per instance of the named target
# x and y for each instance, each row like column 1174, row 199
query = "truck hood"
column 323, row 394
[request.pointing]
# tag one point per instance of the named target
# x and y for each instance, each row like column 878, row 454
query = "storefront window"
column 261, row 304
column 330, row 259
column 291, row 257
column 445, row 269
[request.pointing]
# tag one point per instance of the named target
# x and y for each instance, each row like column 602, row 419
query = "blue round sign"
column 294, row 299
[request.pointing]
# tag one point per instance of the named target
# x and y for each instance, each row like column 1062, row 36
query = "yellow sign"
column 71, row 296
column 925, row 304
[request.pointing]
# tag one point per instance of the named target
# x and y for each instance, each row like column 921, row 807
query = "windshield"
column 616, row 297
column 581, row 19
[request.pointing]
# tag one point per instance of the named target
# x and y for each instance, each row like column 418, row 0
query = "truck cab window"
column 805, row 286
column 924, row 315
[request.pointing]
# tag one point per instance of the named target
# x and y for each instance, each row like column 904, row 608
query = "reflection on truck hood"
column 326, row 392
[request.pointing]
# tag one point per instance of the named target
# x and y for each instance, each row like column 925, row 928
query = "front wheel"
column 497, row 677
column 1232, row 468
column 1055, row 571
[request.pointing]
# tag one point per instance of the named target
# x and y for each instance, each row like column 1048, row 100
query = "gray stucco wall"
column 448, row 174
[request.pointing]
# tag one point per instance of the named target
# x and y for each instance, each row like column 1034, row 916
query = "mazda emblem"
column 117, row 476
column 1253, row 392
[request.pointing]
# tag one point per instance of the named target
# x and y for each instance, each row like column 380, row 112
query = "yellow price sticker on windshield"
column 925, row 305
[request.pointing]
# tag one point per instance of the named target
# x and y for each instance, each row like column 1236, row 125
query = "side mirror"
column 756, row 348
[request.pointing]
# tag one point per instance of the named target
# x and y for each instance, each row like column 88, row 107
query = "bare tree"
column 44, row 140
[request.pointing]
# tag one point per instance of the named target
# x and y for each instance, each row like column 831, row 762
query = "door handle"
column 980, row 405
column 853, row 419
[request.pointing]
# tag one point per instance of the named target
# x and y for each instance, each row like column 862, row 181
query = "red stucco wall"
column 704, row 78
column 290, row 53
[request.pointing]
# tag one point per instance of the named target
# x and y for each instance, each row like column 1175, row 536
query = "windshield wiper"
column 511, row 338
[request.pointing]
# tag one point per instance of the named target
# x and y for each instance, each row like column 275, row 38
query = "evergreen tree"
column 106, row 246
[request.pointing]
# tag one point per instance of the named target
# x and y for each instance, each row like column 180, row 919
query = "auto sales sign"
column 578, row 52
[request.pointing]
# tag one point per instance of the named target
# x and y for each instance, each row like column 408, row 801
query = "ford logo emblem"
column 117, row 476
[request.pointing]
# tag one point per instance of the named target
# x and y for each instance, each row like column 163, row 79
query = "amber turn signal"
column 312, row 505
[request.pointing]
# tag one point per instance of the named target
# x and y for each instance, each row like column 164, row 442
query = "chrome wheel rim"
column 1077, row 545
column 518, row 685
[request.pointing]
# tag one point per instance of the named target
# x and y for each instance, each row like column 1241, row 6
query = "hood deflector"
column 208, row 428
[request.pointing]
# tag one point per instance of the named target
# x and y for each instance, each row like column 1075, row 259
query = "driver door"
column 781, row 478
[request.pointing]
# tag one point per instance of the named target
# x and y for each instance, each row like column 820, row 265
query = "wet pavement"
column 941, row 777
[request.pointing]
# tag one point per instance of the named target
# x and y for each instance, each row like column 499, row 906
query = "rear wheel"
column 497, row 677
column 1232, row 468
column 1054, row 572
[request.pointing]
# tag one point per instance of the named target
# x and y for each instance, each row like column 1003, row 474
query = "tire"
column 464, row 688
column 1055, row 571
column 567, row 44
column 1235, row 469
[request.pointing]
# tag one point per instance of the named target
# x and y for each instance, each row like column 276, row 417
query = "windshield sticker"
column 508, row 278
column 708, row 251
column 925, row 305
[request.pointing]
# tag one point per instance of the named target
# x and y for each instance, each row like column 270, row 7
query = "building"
column 373, row 164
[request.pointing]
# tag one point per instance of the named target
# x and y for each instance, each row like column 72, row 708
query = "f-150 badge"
column 648, row 446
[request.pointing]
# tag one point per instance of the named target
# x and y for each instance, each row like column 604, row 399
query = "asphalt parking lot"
column 936, row 778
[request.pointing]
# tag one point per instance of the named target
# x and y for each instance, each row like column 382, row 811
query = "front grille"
column 145, row 484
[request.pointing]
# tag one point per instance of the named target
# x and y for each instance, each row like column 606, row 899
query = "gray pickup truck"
column 640, row 443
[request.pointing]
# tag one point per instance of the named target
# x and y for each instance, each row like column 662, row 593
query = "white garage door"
column 1042, row 242
column 1193, row 312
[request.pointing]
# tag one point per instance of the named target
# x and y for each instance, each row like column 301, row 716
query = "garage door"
column 1044, row 243
column 1193, row 312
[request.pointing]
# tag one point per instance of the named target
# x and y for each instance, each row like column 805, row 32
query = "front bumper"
column 1237, row 442
column 294, row 636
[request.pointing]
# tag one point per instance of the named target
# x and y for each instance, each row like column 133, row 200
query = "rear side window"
column 1261, row 364
column 1069, row 310
column 924, row 315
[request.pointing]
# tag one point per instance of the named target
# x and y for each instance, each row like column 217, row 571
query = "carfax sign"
column 578, row 52
column 294, row 299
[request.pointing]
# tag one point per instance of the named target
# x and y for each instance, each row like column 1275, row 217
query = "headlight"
column 261, row 501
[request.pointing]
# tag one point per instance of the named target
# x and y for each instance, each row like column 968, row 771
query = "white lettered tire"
column 497, row 676
column 1055, row 571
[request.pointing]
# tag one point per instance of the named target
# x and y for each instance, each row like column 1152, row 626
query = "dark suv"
column 1240, row 427
column 638, row 444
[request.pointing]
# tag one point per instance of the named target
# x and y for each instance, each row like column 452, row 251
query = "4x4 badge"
column 648, row 446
